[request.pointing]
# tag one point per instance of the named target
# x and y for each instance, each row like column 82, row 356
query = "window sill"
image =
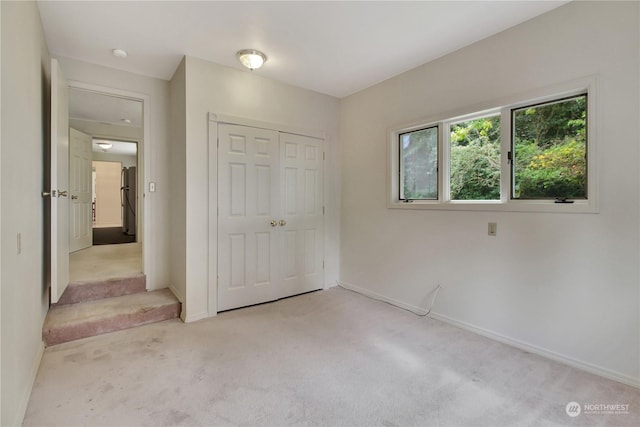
column 542, row 206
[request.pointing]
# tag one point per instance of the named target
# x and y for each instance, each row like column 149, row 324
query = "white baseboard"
column 193, row 318
column 549, row 354
column 531, row 348
column 176, row 294
column 26, row 394
column 183, row 313
column 375, row 295
column 330, row 285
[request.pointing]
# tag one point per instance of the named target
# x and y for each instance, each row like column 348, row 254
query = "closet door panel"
column 248, row 166
column 301, row 177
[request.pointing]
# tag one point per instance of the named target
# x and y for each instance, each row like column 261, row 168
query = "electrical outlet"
column 152, row 187
column 493, row 229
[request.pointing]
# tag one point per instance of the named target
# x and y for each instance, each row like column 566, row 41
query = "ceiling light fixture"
column 105, row 146
column 251, row 58
column 119, row 53
column 127, row 121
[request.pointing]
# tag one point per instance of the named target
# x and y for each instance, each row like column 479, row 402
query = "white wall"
column 25, row 72
column 566, row 285
column 108, row 203
column 155, row 145
column 224, row 90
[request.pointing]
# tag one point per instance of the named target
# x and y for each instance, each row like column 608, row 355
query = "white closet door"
column 302, row 211
column 248, row 174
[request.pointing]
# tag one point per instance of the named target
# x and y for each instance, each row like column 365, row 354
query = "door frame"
column 143, row 164
column 214, row 120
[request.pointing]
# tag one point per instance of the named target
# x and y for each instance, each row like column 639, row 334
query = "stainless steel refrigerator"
column 128, row 200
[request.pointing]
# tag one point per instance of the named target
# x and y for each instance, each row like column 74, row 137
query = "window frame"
column 401, row 165
column 511, row 160
column 503, row 107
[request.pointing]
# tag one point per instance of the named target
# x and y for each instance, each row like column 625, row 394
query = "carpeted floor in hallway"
column 328, row 358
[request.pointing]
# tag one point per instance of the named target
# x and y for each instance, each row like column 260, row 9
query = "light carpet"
column 328, row 358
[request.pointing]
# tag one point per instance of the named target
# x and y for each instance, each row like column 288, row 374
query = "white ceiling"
column 332, row 47
column 107, row 109
column 117, row 147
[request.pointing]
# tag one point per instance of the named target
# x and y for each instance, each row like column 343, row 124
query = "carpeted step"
column 89, row 291
column 74, row 321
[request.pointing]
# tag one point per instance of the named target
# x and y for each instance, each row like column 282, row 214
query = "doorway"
column 114, row 126
column 114, row 201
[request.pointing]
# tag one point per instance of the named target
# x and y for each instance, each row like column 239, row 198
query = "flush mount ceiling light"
column 119, row 53
column 127, row 121
column 105, row 146
column 251, row 58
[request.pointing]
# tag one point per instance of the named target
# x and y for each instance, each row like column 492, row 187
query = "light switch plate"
column 493, row 229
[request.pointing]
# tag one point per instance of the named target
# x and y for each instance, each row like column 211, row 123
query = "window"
column 536, row 153
column 419, row 164
column 549, row 147
column 474, row 147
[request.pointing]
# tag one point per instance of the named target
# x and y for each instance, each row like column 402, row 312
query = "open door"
column 59, row 182
column 80, row 223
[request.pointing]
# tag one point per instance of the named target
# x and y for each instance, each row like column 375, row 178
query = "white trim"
column 565, row 360
column 380, row 297
column 243, row 121
column 177, row 294
column 23, row 402
column 193, row 318
column 503, row 107
column 144, row 159
column 212, row 224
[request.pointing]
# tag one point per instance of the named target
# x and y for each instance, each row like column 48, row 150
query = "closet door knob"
column 283, row 222
column 274, row 223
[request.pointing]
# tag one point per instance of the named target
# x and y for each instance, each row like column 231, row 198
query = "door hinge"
column 323, row 264
column 324, row 156
column 218, row 142
column 323, row 210
column 509, row 157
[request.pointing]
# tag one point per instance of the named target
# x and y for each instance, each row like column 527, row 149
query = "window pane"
column 419, row 164
column 550, row 150
column 475, row 159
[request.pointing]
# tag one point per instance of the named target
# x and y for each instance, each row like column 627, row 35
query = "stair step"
column 90, row 291
column 75, row 321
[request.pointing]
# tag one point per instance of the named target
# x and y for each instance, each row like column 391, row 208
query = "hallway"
column 105, row 262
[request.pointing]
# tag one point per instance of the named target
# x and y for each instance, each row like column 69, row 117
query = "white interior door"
column 59, row 182
column 270, row 215
column 302, row 210
column 248, row 271
column 80, row 223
